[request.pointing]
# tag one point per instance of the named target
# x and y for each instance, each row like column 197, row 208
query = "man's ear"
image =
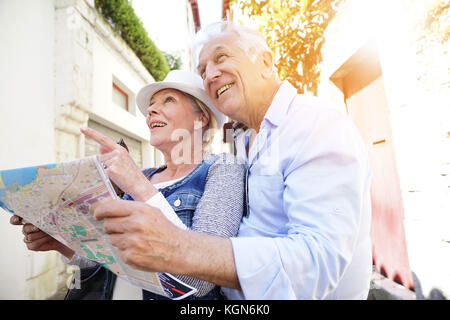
column 267, row 68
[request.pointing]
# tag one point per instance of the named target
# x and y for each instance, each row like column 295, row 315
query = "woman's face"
column 171, row 118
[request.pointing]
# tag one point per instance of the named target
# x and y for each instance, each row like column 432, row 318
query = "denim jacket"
column 183, row 196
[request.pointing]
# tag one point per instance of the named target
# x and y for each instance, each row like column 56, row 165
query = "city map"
column 60, row 200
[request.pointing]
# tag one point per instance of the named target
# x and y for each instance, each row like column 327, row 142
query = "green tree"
column 436, row 25
column 294, row 31
column 120, row 15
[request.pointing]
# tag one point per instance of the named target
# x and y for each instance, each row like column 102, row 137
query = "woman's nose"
column 153, row 109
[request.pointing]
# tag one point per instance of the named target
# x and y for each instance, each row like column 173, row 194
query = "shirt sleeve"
column 219, row 211
column 325, row 183
column 158, row 201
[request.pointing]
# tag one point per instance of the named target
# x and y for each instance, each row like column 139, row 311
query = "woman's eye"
column 169, row 99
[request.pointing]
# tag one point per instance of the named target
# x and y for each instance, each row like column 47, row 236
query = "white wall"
column 106, row 65
column 56, row 69
column 27, row 115
column 26, row 82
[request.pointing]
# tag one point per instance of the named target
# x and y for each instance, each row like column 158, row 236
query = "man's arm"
column 209, row 258
column 146, row 240
column 219, row 211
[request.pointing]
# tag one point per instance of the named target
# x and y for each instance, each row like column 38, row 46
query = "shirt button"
column 177, row 203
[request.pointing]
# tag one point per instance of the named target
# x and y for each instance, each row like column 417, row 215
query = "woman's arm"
column 219, row 211
column 148, row 241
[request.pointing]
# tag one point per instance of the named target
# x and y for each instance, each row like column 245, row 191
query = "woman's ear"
column 204, row 120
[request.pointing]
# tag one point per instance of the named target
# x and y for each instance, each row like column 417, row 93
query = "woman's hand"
column 121, row 168
column 37, row 240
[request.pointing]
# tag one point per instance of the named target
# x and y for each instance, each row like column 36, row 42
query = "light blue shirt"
column 307, row 232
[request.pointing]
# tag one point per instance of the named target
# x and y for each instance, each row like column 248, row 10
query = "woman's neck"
column 180, row 164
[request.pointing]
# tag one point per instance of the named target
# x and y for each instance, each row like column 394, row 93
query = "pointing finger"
column 104, row 150
column 104, row 141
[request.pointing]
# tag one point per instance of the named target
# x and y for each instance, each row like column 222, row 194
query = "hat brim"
column 144, row 95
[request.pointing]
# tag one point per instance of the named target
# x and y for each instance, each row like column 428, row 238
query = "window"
column 134, row 145
column 120, row 97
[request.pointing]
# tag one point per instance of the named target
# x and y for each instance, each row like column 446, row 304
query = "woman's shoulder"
column 223, row 158
column 148, row 171
column 225, row 166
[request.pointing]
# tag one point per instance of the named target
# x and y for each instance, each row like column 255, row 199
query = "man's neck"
column 256, row 116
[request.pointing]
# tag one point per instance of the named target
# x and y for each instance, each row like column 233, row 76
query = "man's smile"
column 223, row 89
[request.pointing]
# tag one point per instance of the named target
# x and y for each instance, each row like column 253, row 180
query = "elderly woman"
column 199, row 187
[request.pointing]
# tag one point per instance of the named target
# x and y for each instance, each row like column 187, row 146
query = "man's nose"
column 212, row 72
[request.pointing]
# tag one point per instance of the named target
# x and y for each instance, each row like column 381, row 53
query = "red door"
column 361, row 81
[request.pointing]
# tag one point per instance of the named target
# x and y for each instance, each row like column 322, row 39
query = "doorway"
column 360, row 79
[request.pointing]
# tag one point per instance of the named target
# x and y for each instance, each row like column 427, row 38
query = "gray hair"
column 249, row 40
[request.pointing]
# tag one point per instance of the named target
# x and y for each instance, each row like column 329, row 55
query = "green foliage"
column 120, row 15
column 173, row 60
column 437, row 24
column 294, row 31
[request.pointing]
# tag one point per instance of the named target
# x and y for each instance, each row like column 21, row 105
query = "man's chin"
column 228, row 108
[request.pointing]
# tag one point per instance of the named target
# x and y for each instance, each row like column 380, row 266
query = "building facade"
column 62, row 67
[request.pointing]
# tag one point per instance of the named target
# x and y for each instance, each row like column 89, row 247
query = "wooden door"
column 361, row 81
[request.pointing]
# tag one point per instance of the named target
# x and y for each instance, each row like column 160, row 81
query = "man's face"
column 229, row 76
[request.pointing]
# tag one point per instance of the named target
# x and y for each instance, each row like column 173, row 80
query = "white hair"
column 249, row 40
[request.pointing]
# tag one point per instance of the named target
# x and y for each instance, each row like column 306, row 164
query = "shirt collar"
column 279, row 107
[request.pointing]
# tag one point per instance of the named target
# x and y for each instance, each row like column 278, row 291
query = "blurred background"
column 71, row 63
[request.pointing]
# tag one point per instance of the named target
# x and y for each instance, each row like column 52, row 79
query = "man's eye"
column 201, row 72
column 169, row 99
column 221, row 57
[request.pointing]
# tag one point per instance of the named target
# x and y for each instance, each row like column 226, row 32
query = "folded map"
column 60, row 200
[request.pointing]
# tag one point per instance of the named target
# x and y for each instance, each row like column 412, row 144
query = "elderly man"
column 306, row 232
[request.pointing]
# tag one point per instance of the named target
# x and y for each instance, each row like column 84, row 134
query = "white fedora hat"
column 184, row 81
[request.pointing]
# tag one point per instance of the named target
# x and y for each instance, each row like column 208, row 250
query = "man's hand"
column 144, row 237
column 147, row 240
column 121, row 168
